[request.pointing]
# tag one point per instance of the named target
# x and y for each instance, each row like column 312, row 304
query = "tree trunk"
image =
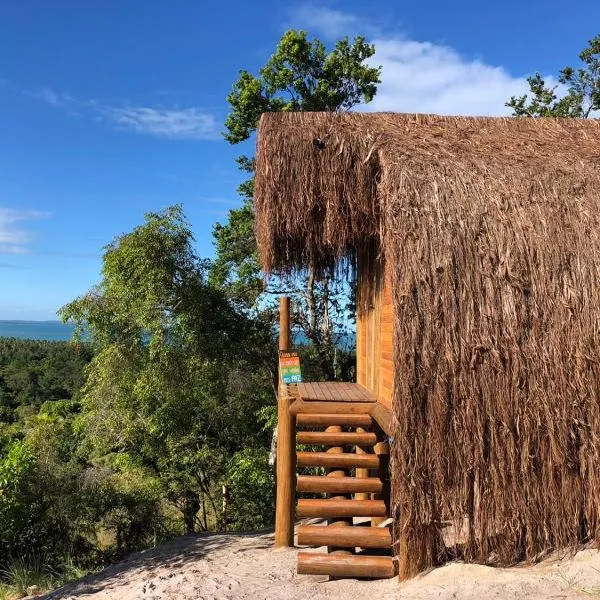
column 191, row 506
column 319, row 330
column 224, row 504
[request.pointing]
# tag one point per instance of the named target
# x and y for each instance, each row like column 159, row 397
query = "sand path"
column 223, row 567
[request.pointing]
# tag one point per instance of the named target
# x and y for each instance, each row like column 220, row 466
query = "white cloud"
column 165, row 122
column 420, row 76
column 13, row 238
column 429, row 78
column 185, row 123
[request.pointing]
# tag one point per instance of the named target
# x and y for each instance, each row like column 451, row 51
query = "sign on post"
column 289, row 367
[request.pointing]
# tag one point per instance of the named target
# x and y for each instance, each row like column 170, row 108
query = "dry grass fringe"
column 491, row 229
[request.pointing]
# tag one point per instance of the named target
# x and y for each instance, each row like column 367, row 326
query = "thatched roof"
column 313, row 205
column 491, row 231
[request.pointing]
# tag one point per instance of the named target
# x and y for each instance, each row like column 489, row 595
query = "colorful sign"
column 289, row 367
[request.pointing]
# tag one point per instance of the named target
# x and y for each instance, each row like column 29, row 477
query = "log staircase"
column 342, row 482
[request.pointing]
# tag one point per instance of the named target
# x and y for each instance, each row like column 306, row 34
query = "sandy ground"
column 220, row 567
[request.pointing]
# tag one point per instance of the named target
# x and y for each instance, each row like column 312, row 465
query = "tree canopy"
column 178, row 373
column 302, row 76
column 582, row 85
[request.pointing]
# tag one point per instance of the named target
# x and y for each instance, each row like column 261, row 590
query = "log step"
column 340, row 461
column 345, row 565
column 334, row 507
column 337, row 408
column 349, row 420
column 344, row 438
column 344, row 537
column 339, row 485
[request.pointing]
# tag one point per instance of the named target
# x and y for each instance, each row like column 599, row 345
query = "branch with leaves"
column 582, row 97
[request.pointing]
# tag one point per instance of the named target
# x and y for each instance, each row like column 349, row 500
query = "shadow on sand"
column 175, row 554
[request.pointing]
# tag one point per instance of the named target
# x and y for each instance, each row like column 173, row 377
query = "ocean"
column 36, row 330
column 57, row 331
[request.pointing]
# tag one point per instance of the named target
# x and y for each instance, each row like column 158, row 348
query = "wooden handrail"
column 286, row 446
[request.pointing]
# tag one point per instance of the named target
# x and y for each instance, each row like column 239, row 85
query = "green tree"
column 300, row 76
column 582, row 97
column 163, row 391
column 17, row 473
column 251, row 486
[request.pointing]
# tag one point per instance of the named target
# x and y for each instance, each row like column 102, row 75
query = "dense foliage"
column 165, row 436
column 33, row 372
column 39, row 401
column 178, row 375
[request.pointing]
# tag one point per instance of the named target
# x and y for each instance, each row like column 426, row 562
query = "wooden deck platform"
column 333, row 391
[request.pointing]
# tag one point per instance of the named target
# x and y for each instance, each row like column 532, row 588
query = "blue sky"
column 112, row 109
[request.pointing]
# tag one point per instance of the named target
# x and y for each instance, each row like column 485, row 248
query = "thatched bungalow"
column 478, row 249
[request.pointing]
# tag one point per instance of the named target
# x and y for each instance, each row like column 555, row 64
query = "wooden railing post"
column 286, row 447
column 284, row 323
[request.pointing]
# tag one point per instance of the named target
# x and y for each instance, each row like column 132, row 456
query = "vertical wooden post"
column 284, row 323
column 361, row 472
column 286, row 447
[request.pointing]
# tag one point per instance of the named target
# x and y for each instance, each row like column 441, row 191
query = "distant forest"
column 34, row 372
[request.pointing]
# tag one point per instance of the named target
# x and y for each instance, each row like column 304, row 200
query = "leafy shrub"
column 251, row 488
column 17, row 469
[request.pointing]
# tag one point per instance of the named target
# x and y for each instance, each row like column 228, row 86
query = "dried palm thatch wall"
column 492, row 230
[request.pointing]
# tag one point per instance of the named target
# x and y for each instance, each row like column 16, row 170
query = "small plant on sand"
column 19, row 574
column 22, row 573
column 69, row 571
